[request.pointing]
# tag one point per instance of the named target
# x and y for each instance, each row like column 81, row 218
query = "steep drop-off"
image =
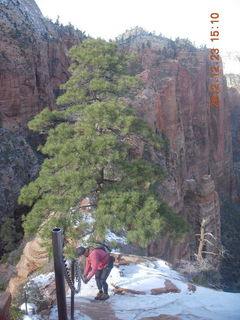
column 33, row 64
column 230, row 267
column 175, row 102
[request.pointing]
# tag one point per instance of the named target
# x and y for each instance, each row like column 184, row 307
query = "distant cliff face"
column 33, row 64
column 233, row 81
column 231, row 211
column 33, row 61
column 19, row 165
column 234, row 100
column 175, row 102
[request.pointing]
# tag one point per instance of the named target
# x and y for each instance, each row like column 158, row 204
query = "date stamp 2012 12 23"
column 214, row 84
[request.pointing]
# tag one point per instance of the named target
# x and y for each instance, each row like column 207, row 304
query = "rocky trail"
column 103, row 310
column 94, row 310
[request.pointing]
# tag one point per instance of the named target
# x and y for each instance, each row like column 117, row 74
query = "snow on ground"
column 205, row 303
column 43, row 280
column 31, row 307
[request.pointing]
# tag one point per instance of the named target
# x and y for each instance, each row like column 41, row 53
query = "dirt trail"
column 95, row 310
column 102, row 310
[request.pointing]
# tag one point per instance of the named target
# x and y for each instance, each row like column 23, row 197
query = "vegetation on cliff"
column 97, row 147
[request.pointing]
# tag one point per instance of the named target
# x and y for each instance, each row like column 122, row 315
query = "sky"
column 172, row 18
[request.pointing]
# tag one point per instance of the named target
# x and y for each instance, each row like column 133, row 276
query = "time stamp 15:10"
column 214, row 85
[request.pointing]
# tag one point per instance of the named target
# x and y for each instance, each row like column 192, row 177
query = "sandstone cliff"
column 230, row 267
column 233, row 81
column 175, row 102
column 33, row 61
column 34, row 256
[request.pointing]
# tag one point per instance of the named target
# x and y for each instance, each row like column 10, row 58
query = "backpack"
column 106, row 248
column 100, row 245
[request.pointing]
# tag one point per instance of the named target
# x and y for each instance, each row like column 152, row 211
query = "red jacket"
column 98, row 259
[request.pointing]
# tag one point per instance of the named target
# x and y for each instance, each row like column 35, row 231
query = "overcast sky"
column 173, row 18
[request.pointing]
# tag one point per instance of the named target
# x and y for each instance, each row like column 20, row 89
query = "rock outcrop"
column 202, row 210
column 233, row 81
column 19, row 164
column 202, row 206
column 34, row 257
column 175, row 102
column 230, row 267
column 33, row 61
column 33, row 64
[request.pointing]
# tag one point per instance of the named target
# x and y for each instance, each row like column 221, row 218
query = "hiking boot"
column 100, row 293
column 104, row 296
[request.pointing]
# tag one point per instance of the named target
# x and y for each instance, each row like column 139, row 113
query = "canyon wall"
column 175, row 102
column 233, row 81
column 33, row 64
column 230, row 212
column 33, row 61
column 19, row 164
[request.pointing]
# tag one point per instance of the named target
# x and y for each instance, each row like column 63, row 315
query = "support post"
column 26, row 306
column 72, row 292
column 57, row 243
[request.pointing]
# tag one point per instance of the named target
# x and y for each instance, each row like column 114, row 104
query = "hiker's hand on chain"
column 85, row 280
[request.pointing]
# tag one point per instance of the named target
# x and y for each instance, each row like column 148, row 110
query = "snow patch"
column 31, row 309
column 43, row 280
column 111, row 236
column 204, row 303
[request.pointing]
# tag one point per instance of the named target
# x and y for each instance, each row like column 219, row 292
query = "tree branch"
column 215, row 254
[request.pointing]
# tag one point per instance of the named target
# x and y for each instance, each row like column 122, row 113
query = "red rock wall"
column 33, row 64
column 234, row 102
column 33, row 61
column 175, row 102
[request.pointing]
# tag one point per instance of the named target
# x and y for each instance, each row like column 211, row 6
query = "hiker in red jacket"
column 98, row 263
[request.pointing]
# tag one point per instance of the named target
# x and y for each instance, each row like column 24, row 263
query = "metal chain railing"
column 75, row 275
column 71, row 278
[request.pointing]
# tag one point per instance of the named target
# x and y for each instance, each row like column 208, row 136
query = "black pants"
column 102, row 275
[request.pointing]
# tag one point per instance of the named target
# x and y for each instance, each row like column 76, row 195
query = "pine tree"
column 93, row 150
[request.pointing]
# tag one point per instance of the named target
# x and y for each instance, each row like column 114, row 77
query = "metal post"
column 26, row 307
column 72, row 292
column 59, row 273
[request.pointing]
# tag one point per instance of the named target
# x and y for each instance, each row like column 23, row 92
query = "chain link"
column 77, row 275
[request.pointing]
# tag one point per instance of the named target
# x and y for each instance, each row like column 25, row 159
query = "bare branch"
column 210, row 234
column 215, row 254
column 212, row 244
